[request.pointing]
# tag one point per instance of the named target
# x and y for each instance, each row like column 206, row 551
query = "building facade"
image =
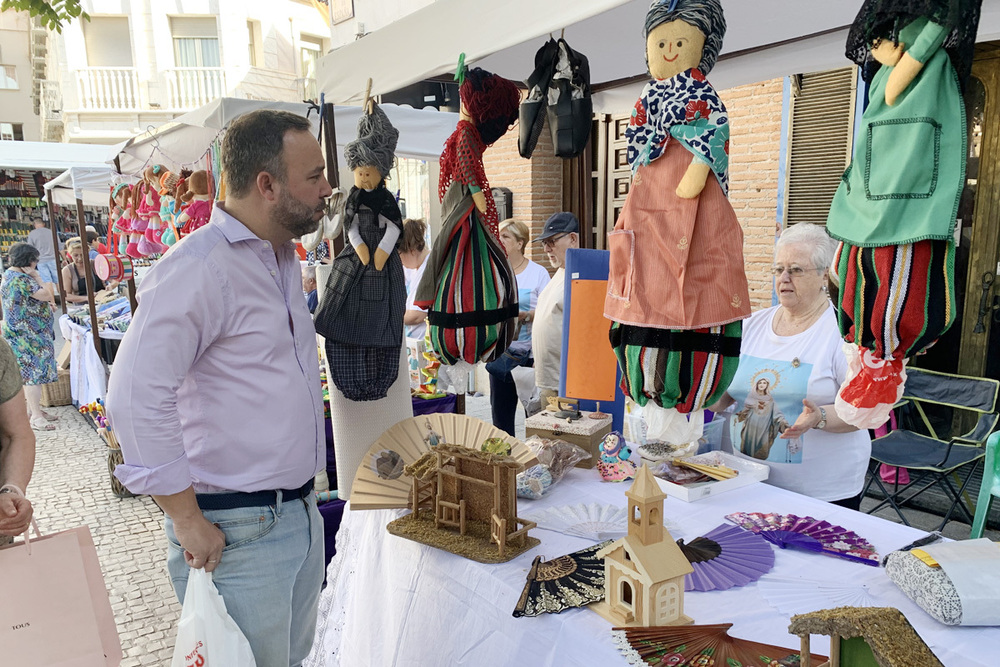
column 18, row 117
column 137, row 63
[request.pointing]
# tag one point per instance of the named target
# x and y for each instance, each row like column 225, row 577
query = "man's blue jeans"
column 47, row 272
column 503, row 391
column 270, row 575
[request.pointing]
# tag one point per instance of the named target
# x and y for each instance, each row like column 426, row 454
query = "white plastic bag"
column 206, row 635
column 672, row 427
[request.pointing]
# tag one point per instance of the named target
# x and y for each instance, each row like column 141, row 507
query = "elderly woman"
column 791, row 366
column 74, row 275
column 17, row 450
column 531, row 280
column 27, row 326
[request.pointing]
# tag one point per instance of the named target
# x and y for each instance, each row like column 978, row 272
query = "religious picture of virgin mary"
column 762, row 421
column 768, row 395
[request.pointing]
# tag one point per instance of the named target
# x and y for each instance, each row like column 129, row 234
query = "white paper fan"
column 594, row 521
column 380, row 483
column 797, row 595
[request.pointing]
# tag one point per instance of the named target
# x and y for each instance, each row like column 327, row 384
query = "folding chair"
column 990, row 486
column 931, row 459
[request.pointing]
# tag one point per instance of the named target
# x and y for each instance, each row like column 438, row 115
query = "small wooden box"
column 585, row 432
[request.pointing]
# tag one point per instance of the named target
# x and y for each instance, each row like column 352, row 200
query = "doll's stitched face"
column 672, row 48
column 367, row 177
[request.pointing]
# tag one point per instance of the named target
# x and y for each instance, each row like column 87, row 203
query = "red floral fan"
column 701, row 645
column 726, row 557
column 809, row 534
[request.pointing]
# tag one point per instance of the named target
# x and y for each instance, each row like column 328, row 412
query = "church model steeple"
column 645, row 508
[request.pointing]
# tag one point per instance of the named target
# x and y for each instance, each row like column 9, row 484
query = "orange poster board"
column 591, row 366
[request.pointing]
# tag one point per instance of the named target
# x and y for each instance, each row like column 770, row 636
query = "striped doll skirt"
column 895, row 302
column 681, row 369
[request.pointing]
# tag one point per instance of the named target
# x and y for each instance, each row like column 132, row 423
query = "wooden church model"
column 644, row 571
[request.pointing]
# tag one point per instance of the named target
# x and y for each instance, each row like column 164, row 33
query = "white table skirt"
column 390, row 601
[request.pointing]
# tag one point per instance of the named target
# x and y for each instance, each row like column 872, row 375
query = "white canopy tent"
column 91, row 185
column 43, row 156
column 185, row 140
column 765, row 39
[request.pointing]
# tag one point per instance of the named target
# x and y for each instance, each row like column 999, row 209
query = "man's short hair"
column 309, row 272
column 254, row 143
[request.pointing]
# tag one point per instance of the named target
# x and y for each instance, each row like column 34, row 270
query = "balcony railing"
column 191, row 87
column 108, row 88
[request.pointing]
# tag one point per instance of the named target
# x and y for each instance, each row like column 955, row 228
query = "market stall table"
column 390, row 601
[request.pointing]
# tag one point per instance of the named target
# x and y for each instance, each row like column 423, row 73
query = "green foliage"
column 53, row 15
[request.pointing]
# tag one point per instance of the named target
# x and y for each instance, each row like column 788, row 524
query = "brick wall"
column 536, row 184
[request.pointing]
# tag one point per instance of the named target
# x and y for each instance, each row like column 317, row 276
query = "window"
column 253, row 44
column 819, row 143
column 310, row 50
column 108, row 41
column 196, row 41
column 8, row 77
column 11, row 132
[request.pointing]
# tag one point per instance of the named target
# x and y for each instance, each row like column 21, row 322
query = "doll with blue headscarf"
column 677, row 290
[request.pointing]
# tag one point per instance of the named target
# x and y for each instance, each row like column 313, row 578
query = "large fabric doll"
column 468, row 287
column 677, row 291
column 361, row 315
column 896, row 207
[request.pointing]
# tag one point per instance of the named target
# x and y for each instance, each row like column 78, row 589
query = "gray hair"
column 376, row 143
column 254, row 143
column 705, row 15
column 815, row 238
column 309, row 271
column 21, row 255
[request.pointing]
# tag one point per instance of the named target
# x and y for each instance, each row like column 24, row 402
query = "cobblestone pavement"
column 71, row 487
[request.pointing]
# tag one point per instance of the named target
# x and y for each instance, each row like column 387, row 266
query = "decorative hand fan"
column 573, row 580
column 594, row 521
column 797, row 595
column 701, row 645
column 379, row 482
column 808, row 534
column 726, row 557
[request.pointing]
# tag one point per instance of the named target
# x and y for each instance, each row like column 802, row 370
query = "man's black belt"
column 236, row 499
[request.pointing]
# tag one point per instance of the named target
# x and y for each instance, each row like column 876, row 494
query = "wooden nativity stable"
column 465, row 501
column 644, row 571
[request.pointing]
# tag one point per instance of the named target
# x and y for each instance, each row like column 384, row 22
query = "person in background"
column 40, row 238
column 74, row 275
column 94, row 241
column 17, row 449
column 27, row 303
column 791, row 366
column 531, row 280
column 215, row 392
column 413, row 252
column 561, row 232
column 309, row 287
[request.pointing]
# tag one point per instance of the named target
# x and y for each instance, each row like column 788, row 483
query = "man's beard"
column 293, row 215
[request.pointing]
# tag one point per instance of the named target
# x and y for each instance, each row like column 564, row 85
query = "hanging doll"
column 195, row 193
column 468, row 287
column 122, row 221
column 150, row 210
column 139, row 221
column 361, row 315
column 677, row 291
column 165, row 237
column 897, row 204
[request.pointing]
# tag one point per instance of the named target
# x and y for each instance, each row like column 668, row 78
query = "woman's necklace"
column 524, row 261
column 788, row 325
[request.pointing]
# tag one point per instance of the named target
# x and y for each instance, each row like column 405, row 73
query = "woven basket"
column 58, row 392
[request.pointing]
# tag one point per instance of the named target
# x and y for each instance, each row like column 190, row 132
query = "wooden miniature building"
column 459, row 485
column 864, row 637
column 644, row 571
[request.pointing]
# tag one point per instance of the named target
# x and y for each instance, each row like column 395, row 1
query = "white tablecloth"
column 87, row 375
column 390, row 601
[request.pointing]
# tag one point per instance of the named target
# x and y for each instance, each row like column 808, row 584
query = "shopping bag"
column 206, row 635
column 55, row 610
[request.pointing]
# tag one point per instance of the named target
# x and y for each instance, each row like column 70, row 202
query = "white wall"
column 15, row 105
column 374, row 14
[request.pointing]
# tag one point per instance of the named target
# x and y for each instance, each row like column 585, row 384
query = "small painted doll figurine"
column 897, row 205
column 433, row 438
column 615, row 465
column 677, row 290
column 361, row 315
column 468, row 287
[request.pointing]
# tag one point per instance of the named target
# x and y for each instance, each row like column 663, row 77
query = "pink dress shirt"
column 216, row 383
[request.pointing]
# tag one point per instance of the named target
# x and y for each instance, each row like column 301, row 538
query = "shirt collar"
column 234, row 230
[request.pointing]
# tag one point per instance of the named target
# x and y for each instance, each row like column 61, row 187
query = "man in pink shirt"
column 215, row 392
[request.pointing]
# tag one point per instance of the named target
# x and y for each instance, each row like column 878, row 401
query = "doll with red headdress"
column 468, row 287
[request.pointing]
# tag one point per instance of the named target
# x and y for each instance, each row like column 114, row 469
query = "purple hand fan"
column 808, row 534
column 725, row 558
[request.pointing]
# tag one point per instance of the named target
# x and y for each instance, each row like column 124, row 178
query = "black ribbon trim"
column 479, row 318
column 677, row 341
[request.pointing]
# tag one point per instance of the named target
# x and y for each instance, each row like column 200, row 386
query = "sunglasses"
column 551, row 241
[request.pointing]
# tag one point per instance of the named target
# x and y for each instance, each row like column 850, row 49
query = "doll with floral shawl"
column 677, row 291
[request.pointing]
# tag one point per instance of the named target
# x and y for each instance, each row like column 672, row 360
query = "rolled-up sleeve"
column 181, row 308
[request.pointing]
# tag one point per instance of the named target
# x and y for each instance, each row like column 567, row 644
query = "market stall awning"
column 90, row 184
column 45, row 156
column 185, row 140
column 765, row 39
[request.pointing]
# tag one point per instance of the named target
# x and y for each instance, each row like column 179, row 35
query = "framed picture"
column 341, row 10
